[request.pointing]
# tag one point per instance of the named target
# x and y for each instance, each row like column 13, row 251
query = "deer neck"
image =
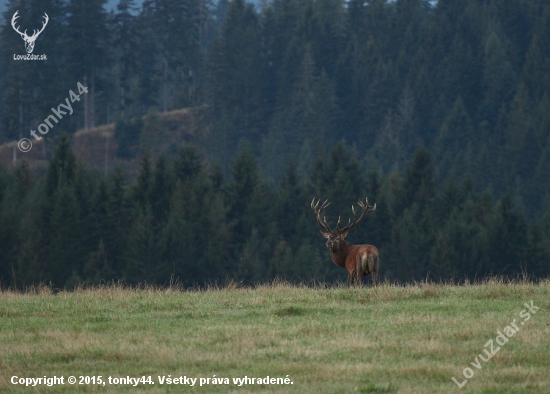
column 339, row 257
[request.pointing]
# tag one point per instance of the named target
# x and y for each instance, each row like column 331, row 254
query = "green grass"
column 388, row 339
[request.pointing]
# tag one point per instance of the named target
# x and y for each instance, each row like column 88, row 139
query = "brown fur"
column 362, row 259
column 358, row 260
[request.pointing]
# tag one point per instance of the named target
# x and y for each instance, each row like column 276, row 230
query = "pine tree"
column 60, row 242
column 141, row 194
column 126, row 39
column 338, row 177
column 507, row 239
column 537, row 63
column 250, row 266
column 246, row 178
column 292, row 204
column 175, row 63
column 64, row 255
column 160, row 193
column 281, row 264
column 153, row 135
column 98, row 267
column 418, row 183
column 498, row 78
column 522, row 148
column 9, row 230
column 195, row 241
column 236, row 79
column 413, row 229
column 116, row 223
column 87, row 55
column 454, row 141
column 61, row 170
column 217, row 178
column 142, row 253
column 536, row 253
column 188, row 164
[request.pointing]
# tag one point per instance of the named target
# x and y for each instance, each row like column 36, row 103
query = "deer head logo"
column 29, row 41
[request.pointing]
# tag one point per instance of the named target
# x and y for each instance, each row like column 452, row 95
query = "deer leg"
column 370, row 265
column 359, row 270
column 375, row 266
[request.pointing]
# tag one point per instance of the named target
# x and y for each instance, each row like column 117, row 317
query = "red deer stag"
column 358, row 260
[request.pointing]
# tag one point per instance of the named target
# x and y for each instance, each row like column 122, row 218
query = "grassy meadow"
column 402, row 339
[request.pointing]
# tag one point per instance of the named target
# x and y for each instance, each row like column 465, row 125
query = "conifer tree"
column 116, row 223
column 126, row 39
column 87, row 43
column 237, row 84
column 160, row 193
column 246, row 177
column 418, row 183
column 98, row 267
column 536, row 253
column 453, row 142
column 498, row 77
column 188, row 164
column 141, row 193
column 507, row 239
column 142, row 253
column 292, row 204
column 195, row 241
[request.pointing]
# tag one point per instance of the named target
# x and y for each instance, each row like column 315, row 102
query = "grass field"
column 404, row 339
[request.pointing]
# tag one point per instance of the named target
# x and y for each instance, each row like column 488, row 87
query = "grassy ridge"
column 409, row 339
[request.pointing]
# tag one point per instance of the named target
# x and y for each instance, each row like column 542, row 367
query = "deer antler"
column 46, row 19
column 358, row 260
column 24, row 34
column 14, row 17
column 318, row 211
column 365, row 208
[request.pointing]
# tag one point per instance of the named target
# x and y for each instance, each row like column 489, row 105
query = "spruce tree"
column 160, row 193
column 507, row 239
column 141, row 193
column 126, row 40
column 195, row 242
column 142, row 253
column 117, row 222
column 246, row 178
column 87, row 42
column 453, row 142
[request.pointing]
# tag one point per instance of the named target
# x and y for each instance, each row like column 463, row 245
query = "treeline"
column 184, row 221
column 470, row 80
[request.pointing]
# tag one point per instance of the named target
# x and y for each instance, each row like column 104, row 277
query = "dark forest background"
column 439, row 113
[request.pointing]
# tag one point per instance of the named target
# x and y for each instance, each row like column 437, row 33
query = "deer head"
column 336, row 238
column 29, row 41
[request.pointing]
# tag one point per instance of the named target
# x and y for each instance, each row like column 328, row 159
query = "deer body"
column 358, row 260
column 362, row 259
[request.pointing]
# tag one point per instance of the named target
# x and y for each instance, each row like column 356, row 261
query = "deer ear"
column 326, row 235
column 343, row 235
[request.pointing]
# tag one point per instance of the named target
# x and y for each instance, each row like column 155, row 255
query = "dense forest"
column 438, row 112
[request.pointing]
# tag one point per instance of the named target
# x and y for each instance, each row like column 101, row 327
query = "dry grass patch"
column 406, row 339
